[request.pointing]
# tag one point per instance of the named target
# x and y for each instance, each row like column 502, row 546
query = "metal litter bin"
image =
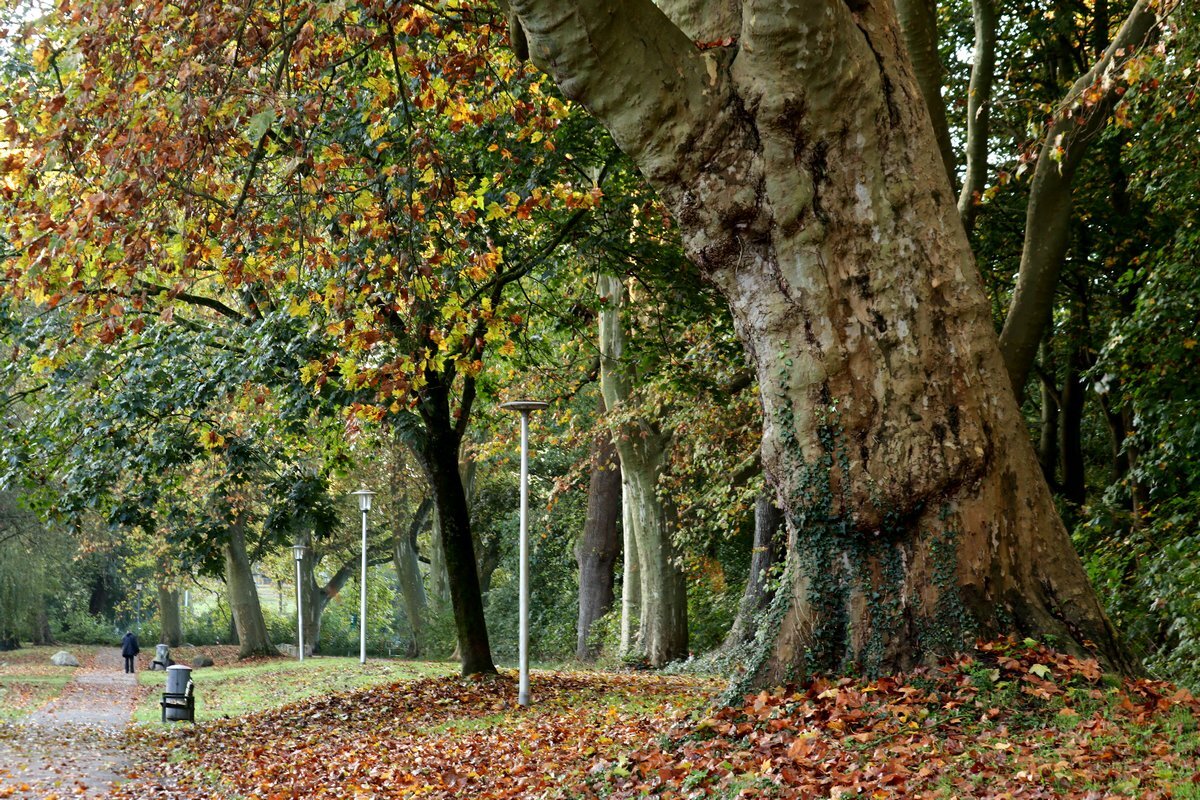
column 177, row 681
column 162, row 657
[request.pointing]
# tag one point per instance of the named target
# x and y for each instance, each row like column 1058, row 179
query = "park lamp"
column 364, row 505
column 364, row 499
column 298, row 551
column 525, row 407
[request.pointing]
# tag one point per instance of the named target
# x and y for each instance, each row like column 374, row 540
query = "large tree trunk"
column 807, row 186
column 252, row 636
column 168, row 616
column 439, row 458
column 770, row 542
column 662, row 629
column 598, row 545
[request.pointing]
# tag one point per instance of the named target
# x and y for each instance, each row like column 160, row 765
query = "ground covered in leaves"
column 1014, row 720
column 435, row 737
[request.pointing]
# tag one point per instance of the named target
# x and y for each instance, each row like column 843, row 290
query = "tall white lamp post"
column 364, row 505
column 525, row 407
column 298, row 551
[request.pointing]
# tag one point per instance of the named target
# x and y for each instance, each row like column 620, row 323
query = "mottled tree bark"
column 808, row 188
column 599, row 544
column 252, row 636
column 662, row 621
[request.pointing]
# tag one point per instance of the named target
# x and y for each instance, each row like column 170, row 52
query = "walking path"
column 72, row 746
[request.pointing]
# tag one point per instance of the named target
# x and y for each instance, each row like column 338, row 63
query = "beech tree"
column 792, row 146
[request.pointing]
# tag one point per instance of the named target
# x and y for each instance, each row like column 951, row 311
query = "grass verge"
column 28, row 680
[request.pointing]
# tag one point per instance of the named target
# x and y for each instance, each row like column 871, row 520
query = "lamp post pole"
column 364, row 505
column 298, row 554
column 525, row 407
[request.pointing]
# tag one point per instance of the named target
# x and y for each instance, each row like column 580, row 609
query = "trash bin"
column 162, row 657
column 177, row 681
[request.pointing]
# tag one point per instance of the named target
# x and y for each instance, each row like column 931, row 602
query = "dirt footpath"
column 72, row 746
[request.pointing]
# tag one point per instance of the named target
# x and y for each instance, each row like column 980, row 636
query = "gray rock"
column 64, row 659
column 201, row 661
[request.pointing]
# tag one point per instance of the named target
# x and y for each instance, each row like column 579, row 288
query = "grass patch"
column 28, row 680
column 260, row 685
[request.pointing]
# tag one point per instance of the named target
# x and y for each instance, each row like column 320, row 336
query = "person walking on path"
column 129, row 649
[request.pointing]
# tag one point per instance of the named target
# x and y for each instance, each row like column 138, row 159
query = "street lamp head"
column 364, row 499
column 524, row 406
column 298, row 551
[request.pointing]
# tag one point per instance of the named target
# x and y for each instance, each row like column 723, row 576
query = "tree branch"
column 636, row 72
column 1048, row 214
column 979, row 102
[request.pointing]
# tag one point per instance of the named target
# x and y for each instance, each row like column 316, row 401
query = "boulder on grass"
column 201, row 661
column 64, row 659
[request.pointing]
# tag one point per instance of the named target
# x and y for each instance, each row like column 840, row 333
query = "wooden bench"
column 185, row 700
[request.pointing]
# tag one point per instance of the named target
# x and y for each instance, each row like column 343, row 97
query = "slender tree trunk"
column 1049, row 435
column 770, row 549
column 313, row 598
column 408, row 574
column 662, row 628
column 439, row 584
column 168, row 617
column 598, row 546
column 1051, row 413
column 251, row 628
column 631, row 579
column 807, row 186
column 1048, row 214
column 439, row 458
column 979, row 105
column 1074, row 394
column 918, row 22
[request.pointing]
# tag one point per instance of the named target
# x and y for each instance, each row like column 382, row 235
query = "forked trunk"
column 801, row 168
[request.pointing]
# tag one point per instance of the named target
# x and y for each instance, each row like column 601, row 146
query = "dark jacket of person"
column 129, row 645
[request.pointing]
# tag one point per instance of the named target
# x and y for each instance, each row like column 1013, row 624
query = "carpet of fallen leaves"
column 1013, row 720
column 436, row 737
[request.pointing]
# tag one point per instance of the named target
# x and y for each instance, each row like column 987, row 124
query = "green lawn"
column 28, row 680
column 235, row 689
